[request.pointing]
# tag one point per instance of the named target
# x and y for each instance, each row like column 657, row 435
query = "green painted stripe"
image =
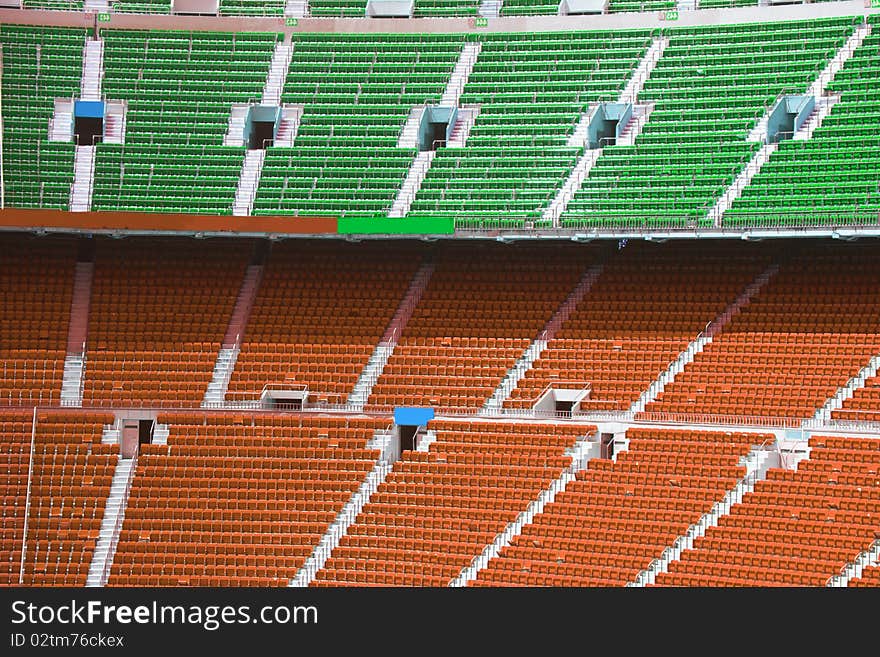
column 384, row 225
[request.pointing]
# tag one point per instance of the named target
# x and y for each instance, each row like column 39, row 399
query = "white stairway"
column 845, row 392
column 411, row 298
column 215, row 395
column 687, row 5
column 72, row 381
column 96, row 5
column 865, row 559
column 248, row 181
column 379, row 358
column 277, row 73
column 160, row 434
column 490, row 8
column 759, row 132
column 77, row 333
column 428, row 439
column 512, row 377
column 61, row 123
column 464, row 121
column 571, row 185
column 83, row 179
column 296, row 8
column 114, row 121
column 370, row 374
column 822, row 109
column 641, row 114
column 841, row 57
column 92, row 69
column 578, row 138
column 742, row 300
column 572, row 300
column 111, row 523
column 739, row 184
column 757, row 464
column 668, row 375
column 460, row 74
column 110, row 435
column 699, row 343
column 579, row 453
column 411, row 184
column 235, row 125
column 288, row 126
column 643, row 71
column 339, row 528
column 383, row 441
column 533, row 352
column 409, row 134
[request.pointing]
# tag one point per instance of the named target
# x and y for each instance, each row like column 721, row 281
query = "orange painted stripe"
column 101, row 221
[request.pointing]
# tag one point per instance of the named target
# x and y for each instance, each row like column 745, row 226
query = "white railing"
column 27, row 499
column 251, row 402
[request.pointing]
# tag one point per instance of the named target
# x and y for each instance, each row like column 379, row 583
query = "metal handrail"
column 584, row 386
column 252, row 404
column 27, row 503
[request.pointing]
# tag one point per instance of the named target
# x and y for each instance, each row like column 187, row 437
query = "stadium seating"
column 338, row 8
column 242, row 495
column 15, row 449
column 710, row 88
column 344, row 296
column 158, row 314
column 620, row 6
column 142, row 6
column 482, row 307
column 870, row 577
column 235, row 501
column 619, row 339
column 532, row 90
column 438, row 509
column 835, row 171
column 618, row 516
column 810, row 329
column 798, row 528
column 864, row 405
column 357, row 90
column 57, row 5
column 36, row 279
column 445, row 8
column 39, row 65
column 529, row 8
column 252, row 8
column 179, row 88
column 70, row 483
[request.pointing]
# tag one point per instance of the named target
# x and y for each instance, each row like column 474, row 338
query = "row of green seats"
column 251, row 7
column 621, row 6
column 445, row 8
